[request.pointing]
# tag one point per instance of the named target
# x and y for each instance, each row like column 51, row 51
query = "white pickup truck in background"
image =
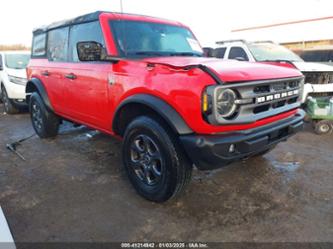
column 318, row 76
column 13, row 79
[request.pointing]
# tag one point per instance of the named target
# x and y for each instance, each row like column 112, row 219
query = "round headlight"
column 225, row 102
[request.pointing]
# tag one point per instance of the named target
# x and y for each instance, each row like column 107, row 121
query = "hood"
column 312, row 67
column 230, row 70
column 21, row 73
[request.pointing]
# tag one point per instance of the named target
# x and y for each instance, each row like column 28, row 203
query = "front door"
column 86, row 83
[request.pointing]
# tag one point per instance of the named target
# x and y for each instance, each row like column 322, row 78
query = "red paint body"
column 91, row 100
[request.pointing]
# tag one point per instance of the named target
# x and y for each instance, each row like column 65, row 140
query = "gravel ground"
column 74, row 188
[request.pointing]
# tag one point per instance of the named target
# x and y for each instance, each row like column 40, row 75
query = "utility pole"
column 121, row 6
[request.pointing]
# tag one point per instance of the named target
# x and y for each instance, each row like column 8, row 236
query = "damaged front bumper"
column 214, row 151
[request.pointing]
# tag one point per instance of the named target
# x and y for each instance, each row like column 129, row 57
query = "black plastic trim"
column 207, row 70
column 94, row 16
column 173, row 118
column 41, row 90
column 209, row 152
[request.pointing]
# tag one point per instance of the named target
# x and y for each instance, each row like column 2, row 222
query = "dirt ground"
column 74, row 188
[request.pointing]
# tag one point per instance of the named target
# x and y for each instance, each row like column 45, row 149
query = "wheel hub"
column 146, row 160
column 37, row 116
column 325, row 128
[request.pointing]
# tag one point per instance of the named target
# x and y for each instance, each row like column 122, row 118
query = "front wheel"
column 44, row 122
column 155, row 163
column 9, row 106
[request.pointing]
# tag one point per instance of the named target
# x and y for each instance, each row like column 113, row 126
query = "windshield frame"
column 295, row 58
column 151, row 53
column 16, row 54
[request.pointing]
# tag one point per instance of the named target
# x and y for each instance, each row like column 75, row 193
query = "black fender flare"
column 34, row 84
column 167, row 112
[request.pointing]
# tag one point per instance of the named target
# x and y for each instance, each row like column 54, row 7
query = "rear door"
column 86, row 85
column 54, row 71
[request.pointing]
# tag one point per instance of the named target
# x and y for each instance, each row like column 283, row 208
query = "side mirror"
column 89, row 51
column 93, row 51
column 1, row 68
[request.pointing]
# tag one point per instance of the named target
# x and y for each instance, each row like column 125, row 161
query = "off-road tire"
column 8, row 104
column 175, row 168
column 44, row 121
column 323, row 127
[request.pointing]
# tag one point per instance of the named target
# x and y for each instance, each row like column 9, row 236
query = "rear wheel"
column 323, row 127
column 155, row 164
column 9, row 106
column 44, row 122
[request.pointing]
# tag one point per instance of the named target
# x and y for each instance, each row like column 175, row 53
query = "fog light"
column 232, row 148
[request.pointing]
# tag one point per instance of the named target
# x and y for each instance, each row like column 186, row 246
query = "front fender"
column 162, row 108
column 34, row 85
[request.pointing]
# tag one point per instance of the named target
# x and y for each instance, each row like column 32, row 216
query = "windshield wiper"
column 185, row 54
column 157, row 53
column 152, row 53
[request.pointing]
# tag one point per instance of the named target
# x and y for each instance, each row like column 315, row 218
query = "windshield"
column 135, row 38
column 272, row 52
column 17, row 61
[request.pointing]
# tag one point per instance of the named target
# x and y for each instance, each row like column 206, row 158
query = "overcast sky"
column 210, row 20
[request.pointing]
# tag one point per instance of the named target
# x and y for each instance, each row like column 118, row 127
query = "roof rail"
column 233, row 40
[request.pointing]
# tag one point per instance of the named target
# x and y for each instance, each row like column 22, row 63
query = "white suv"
column 13, row 79
column 318, row 76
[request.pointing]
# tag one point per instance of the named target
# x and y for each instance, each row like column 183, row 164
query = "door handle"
column 45, row 73
column 70, row 76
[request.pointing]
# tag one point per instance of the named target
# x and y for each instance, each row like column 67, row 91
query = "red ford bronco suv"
column 144, row 79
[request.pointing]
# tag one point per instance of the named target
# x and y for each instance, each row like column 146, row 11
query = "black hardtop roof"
column 90, row 17
column 80, row 19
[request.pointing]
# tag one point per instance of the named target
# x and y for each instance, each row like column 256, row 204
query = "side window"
column 57, row 44
column 84, row 32
column 1, row 67
column 238, row 52
column 219, row 52
column 39, row 45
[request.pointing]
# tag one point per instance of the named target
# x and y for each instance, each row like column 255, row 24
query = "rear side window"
column 39, row 45
column 219, row 52
column 57, row 44
column 238, row 52
column 1, row 61
column 84, row 32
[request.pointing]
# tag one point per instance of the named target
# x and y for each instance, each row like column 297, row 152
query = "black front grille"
column 272, row 89
column 262, row 99
column 318, row 77
column 315, row 95
column 261, row 89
